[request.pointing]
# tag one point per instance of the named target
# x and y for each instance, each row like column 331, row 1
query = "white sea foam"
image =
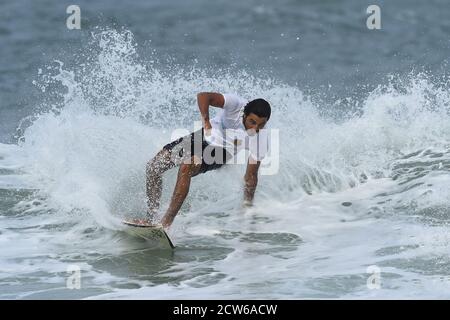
column 355, row 191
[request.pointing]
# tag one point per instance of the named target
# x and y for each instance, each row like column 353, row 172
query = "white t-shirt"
column 228, row 130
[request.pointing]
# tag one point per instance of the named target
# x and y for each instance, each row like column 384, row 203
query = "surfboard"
column 154, row 234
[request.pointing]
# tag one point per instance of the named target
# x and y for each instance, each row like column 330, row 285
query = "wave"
column 87, row 148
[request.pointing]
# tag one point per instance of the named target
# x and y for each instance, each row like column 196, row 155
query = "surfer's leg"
column 155, row 168
column 185, row 173
column 173, row 154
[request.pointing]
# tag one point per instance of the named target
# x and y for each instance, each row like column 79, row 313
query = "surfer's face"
column 253, row 123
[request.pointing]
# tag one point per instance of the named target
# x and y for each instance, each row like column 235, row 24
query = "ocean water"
column 359, row 208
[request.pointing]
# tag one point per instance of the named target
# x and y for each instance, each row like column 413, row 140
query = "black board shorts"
column 212, row 157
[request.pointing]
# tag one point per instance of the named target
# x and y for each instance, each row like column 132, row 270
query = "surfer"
column 236, row 126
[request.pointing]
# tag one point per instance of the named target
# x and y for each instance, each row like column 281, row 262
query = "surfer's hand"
column 207, row 128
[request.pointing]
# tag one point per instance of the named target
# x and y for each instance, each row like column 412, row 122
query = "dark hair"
column 260, row 107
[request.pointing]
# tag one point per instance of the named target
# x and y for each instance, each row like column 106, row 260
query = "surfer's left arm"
column 250, row 181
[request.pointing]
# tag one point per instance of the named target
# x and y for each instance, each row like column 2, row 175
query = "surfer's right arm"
column 206, row 99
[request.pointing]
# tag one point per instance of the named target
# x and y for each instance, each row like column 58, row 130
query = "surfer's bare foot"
column 165, row 225
column 166, row 221
column 141, row 221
